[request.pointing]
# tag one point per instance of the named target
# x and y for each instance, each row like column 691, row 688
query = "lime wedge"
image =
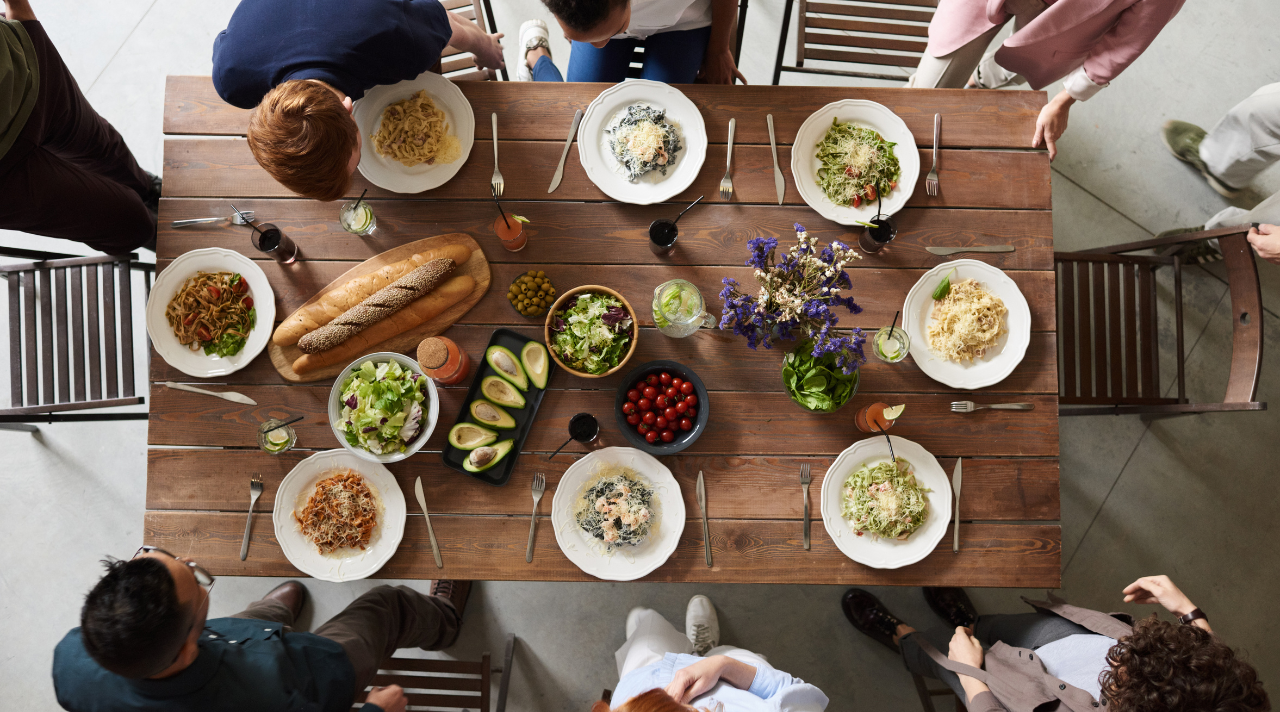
column 894, row 412
column 889, row 346
column 278, row 437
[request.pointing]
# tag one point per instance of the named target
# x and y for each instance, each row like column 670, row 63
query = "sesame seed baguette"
column 384, row 303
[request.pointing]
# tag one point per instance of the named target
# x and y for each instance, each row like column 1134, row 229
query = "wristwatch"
column 1195, row 614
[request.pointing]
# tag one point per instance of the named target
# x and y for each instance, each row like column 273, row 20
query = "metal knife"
column 702, row 504
column 778, row 181
column 573, row 131
column 977, row 248
column 422, row 502
column 226, row 395
column 955, row 487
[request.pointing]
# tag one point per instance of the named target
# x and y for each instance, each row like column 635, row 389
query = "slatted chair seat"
column 863, row 33
column 71, row 338
column 461, row 66
column 1109, row 360
column 446, row 684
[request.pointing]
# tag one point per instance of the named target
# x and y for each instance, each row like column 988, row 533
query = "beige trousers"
column 952, row 71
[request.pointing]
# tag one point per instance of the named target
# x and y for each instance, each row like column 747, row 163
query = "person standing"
column 1086, row 43
column 144, row 643
column 65, row 172
column 684, row 41
column 1068, row 658
column 300, row 67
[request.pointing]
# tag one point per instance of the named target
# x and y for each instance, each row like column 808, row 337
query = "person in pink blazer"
column 1087, row 42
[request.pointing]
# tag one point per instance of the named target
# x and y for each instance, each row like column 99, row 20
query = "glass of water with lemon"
column 276, row 441
column 678, row 309
column 891, row 344
column 357, row 218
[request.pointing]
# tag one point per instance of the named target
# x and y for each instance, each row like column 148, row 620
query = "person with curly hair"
column 1071, row 658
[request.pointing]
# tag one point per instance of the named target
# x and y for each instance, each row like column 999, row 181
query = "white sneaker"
column 701, row 624
column 633, row 620
column 533, row 34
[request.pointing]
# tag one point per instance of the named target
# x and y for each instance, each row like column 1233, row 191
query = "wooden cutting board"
column 282, row 357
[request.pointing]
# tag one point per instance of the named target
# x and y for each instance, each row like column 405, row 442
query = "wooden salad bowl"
column 597, row 289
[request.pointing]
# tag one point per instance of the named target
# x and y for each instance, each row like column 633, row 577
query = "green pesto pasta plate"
column 883, row 552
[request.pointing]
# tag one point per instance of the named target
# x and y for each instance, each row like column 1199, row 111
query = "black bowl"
column 684, row 438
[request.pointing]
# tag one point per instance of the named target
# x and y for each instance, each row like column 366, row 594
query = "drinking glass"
column 870, row 418
column 678, row 309
column 511, row 232
column 891, row 344
column 277, row 441
column 662, row 237
column 356, row 217
column 873, row 239
column 271, row 240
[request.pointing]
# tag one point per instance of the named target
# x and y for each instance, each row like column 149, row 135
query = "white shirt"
column 649, row 17
column 1077, row 660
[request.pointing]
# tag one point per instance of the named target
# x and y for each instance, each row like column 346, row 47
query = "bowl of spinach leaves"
column 816, row 383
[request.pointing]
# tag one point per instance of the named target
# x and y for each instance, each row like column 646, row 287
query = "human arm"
column 19, row 11
column 1159, row 589
column 698, row 678
column 469, row 37
column 1052, row 122
column 1134, row 30
column 718, row 66
column 967, row 650
column 385, row 699
column 1266, row 242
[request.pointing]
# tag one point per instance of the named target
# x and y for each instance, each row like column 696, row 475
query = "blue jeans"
column 669, row 57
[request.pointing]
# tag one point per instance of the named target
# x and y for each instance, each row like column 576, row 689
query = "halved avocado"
column 482, row 458
column 536, row 364
column 469, row 436
column 500, row 391
column 491, row 416
column 507, row 366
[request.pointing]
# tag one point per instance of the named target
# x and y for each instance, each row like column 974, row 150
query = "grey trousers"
column 376, row 625
column 1020, row 630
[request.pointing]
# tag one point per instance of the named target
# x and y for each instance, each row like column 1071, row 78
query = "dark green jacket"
column 19, row 81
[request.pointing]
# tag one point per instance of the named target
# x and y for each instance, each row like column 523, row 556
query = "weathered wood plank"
column 741, row 423
column 737, row 487
column 492, row 549
column 203, row 167
column 971, row 118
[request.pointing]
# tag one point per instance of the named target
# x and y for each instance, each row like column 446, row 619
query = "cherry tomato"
column 628, row 408
column 686, row 388
column 643, row 428
column 668, row 436
column 248, row 302
column 633, row 395
column 686, row 424
column 203, row 334
column 652, row 379
column 681, row 407
column 651, row 437
column 214, row 292
column 660, row 402
column 671, row 392
column 191, row 318
column 633, row 419
column 671, row 414
column 665, row 378
column 676, row 382
column 644, row 404
column 691, row 399
column 691, row 413
column 650, row 392
column 649, row 418
column 640, row 385
column 239, row 286
column 660, row 423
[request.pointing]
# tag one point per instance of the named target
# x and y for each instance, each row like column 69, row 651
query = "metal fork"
column 804, row 483
column 497, row 182
column 255, row 491
column 235, row 220
column 726, row 183
column 931, row 180
column 539, row 486
column 970, row 406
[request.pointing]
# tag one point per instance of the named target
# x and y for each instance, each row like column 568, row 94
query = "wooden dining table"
column 994, row 190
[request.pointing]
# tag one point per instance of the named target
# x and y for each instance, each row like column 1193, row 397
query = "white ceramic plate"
column 653, row 187
column 431, row 407
column 345, row 565
column 869, row 114
column 886, row 553
column 168, row 282
column 999, row 361
column 392, row 174
column 625, row 563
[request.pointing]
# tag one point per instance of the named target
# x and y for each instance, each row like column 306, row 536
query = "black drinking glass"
column 271, row 240
column 873, row 239
column 583, row 427
column 662, row 237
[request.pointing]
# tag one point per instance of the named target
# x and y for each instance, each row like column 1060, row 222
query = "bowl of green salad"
column 817, row 384
column 591, row 331
column 383, row 407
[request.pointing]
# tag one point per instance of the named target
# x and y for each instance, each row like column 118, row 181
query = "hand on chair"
column 390, row 698
column 1266, row 242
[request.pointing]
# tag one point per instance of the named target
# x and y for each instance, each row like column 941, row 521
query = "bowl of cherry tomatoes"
column 662, row 407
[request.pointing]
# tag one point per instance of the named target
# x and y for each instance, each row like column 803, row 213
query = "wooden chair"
column 637, row 57
column 438, row 683
column 461, row 66
column 1109, row 361
column 927, row 695
column 853, row 32
column 71, row 345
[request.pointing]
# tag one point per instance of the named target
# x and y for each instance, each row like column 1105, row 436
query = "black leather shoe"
column 870, row 616
column 292, row 594
column 952, row 605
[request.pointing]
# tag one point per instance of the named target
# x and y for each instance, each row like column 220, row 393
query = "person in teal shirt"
column 145, row 643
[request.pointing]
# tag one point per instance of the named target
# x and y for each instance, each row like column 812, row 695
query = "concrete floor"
column 1187, row 497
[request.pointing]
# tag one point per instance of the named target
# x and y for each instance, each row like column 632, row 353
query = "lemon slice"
column 894, row 412
column 278, row 436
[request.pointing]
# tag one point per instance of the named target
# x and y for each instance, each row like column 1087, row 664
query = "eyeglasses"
column 203, row 577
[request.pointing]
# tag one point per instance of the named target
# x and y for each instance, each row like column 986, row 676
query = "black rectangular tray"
column 524, row 417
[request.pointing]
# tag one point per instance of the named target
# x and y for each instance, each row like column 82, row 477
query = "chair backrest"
column 71, row 334
column 637, row 57
column 461, row 66
column 864, row 34
column 1246, row 319
column 448, row 684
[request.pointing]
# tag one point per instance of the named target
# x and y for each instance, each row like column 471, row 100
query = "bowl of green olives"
column 531, row 293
